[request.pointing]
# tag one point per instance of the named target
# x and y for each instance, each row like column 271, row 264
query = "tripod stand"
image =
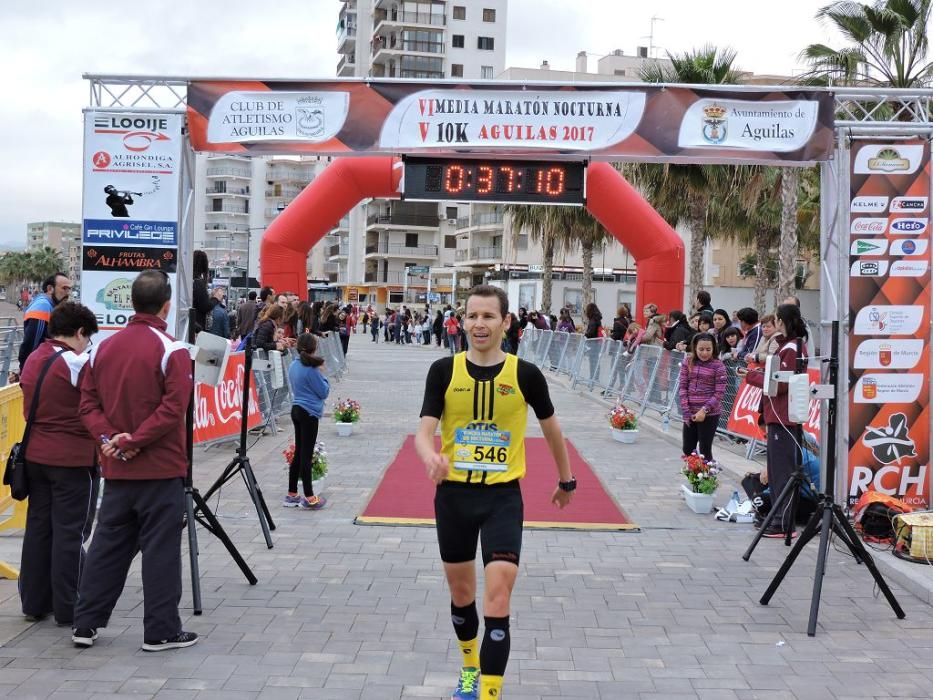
column 829, row 517
column 240, row 464
column 197, row 509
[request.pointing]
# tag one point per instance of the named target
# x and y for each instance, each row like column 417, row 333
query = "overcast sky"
column 45, row 46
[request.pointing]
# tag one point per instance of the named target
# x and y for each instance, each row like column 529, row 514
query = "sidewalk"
column 344, row 611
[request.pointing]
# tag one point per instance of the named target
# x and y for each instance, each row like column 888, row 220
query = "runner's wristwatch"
column 568, row 486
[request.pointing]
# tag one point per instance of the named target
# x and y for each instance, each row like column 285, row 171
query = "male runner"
column 480, row 398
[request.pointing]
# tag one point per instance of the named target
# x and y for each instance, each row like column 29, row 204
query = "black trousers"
column 702, row 433
column 305, row 438
column 782, row 457
column 143, row 515
column 345, row 343
column 62, row 503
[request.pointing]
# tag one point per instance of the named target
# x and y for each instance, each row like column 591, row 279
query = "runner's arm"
column 436, row 464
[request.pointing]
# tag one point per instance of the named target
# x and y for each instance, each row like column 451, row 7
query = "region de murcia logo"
column 714, row 123
column 888, row 160
column 892, row 443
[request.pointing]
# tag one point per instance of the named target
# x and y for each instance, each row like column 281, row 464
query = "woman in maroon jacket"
column 782, row 437
column 61, row 464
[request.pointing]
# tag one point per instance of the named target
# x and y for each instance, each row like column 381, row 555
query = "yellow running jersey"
column 483, row 425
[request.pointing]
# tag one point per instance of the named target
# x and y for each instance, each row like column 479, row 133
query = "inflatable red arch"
column 656, row 247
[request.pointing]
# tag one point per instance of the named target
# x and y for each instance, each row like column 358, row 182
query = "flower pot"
column 344, row 429
column 701, row 503
column 626, row 436
column 318, row 485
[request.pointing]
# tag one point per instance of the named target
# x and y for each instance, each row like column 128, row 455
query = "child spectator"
column 730, row 343
column 310, row 389
column 702, row 386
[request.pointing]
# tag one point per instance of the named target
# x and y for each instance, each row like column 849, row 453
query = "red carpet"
column 405, row 496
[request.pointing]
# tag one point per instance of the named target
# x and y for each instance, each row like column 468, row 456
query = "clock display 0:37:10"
column 496, row 181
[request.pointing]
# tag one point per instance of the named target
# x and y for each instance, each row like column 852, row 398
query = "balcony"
column 232, row 191
column 401, row 219
column 330, row 267
column 290, row 174
column 486, row 219
column 338, row 250
column 343, row 224
column 384, row 48
column 287, row 192
column 229, row 228
column 226, row 207
column 402, row 251
column 479, row 253
column 392, row 277
column 346, row 35
column 229, row 172
column 346, row 65
column 408, row 19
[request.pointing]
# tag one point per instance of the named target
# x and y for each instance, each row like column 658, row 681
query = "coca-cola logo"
column 869, row 225
column 222, row 404
column 746, row 404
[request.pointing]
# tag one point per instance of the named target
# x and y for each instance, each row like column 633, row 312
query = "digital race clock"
column 468, row 180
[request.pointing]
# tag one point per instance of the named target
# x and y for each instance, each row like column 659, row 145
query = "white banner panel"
column 778, row 126
column 312, row 117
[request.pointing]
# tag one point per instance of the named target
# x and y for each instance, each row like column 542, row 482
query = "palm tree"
column 534, row 220
column 575, row 226
column 682, row 193
column 45, row 262
column 887, row 44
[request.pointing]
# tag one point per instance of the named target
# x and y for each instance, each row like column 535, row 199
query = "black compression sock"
column 465, row 620
column 494, row 653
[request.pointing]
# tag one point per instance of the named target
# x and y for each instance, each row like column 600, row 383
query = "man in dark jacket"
column 679, row 332
column 218, row 323
column 246, row 315
column 134, row 399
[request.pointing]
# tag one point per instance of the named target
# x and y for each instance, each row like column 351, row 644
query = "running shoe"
column 313, row 503
column 179, row 641
column 777, row 534
column 83, row 636
column 291, row 501
column 468, row 686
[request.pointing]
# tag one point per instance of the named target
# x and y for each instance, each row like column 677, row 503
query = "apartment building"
column 65, row 237
column 387, row 252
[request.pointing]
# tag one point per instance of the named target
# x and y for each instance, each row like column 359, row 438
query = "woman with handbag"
column 61, row 466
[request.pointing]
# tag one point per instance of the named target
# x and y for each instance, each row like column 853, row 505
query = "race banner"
column 132, row 180
column 889, row 312
column 743, row 418
column 218, row 409
column 649, row 123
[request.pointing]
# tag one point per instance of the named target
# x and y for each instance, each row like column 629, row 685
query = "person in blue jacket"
column 310, row 389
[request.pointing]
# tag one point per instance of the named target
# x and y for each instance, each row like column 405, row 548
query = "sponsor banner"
column 888, row 320
column 101, row 231
column 392, row 117
column 888, row 388
column 777, row 126
column 132, row 166
column 869, row 246
column 869, row 226
column 869, row 205
column 907, row 204
column 888, row 354
column 888, row 345
column 743, row 419
column 869, row 268
column 218, row 410
column 129, row 258
column 107, row 294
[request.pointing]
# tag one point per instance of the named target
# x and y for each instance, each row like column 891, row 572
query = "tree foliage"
column 30, row 266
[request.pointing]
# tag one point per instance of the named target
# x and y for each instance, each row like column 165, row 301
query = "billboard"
column 889, row 312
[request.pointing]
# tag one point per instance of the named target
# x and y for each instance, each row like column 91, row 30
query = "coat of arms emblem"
column 714, row 123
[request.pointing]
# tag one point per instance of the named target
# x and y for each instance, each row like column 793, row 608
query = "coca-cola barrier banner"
column 889, row 320
column 743, row 419
column 217, row 409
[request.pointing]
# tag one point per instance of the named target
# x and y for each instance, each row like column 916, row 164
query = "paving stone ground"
column 361, row 612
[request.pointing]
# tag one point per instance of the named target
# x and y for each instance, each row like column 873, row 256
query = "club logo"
column 869, row 205
column 505, row 389
column 908, row 225
column 912, row 204
column 116, row 294
column 889, row 160
column 869, row 268
column 892, row 443
column 101, row 160
column 909, row 246
column 309, row 121
column 714, row 124
column 862, row 246
column 867, row 225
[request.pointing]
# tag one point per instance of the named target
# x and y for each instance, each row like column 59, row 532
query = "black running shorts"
column 468, row 512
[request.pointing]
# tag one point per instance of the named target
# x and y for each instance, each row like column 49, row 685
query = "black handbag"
column 15, row 475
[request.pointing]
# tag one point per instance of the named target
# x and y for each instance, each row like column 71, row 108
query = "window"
column 624, row 297
column 489, row 15
column 450, row 241
column 451, row 212
column 458, row 41
column 574, row 299
column 459, row 12
column 522, row 242
column 396, row 298
column 526, row 296
column 618, row 71
column 456, row 70
column 486, row 73
column 485, row 43
column 411, row 240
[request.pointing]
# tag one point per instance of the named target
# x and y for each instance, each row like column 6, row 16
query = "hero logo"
column 909, row 204
column 869, row 205
column 908, row 225
column 867, row 225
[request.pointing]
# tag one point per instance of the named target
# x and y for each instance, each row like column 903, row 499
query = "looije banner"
column 647, row 123
column 889, row 312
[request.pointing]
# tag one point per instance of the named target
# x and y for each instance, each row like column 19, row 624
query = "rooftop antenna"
column 650, row 36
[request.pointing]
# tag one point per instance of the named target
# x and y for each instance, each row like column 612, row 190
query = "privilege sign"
column 889, row 308
column 218, row 409
column 570, row 121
